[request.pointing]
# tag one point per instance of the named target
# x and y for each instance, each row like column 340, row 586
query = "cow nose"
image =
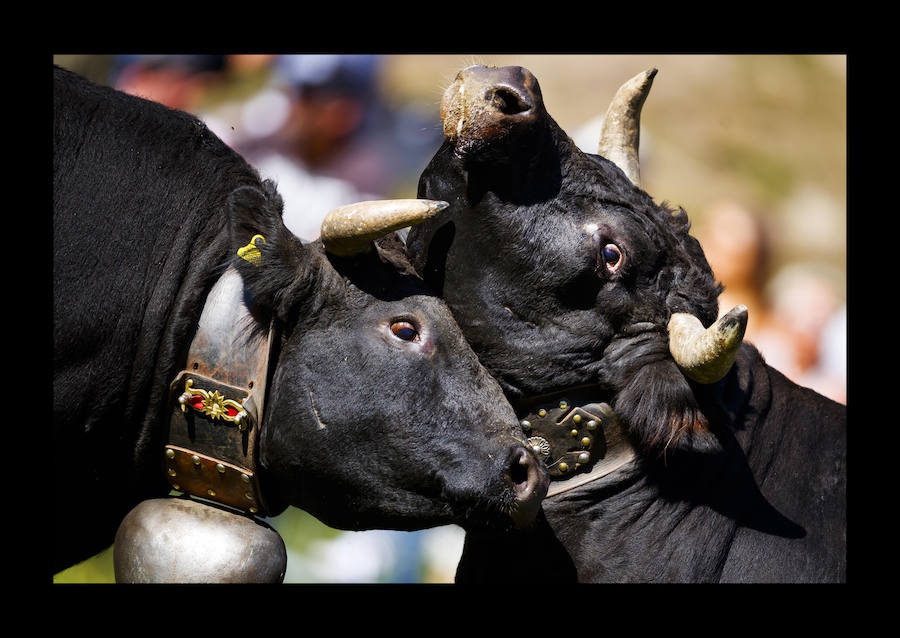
column 530, row 480
column 487, row 104
column 511, row 100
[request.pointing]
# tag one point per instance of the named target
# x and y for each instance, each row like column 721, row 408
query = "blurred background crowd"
column 753, row 147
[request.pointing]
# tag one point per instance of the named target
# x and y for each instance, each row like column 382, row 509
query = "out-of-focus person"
column 809, row 311
column 788, row 310
column 737, row 247
column 177, row 81
column 323, row 132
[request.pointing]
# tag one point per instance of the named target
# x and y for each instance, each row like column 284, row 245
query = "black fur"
column 597, row 328
column 741, row 480
column 361, row 428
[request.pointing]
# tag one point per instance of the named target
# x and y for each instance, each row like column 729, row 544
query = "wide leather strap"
column 577, row 435
column 218, row 403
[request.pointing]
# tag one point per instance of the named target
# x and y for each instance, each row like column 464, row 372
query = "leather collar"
column 217, row 404
column 577, row 436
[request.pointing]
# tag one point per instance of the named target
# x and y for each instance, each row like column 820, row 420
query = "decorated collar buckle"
column 212, row 438
column 213, row 405
column 566, row 431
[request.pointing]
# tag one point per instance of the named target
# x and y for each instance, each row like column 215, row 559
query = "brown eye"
column 404, row 330
column 612, row 257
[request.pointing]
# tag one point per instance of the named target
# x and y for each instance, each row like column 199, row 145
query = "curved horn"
column 706, row 355
column 621, row 132
column 350, row 230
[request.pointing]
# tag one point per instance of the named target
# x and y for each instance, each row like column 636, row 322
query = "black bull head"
column 393, row 422
column 560, row 269
column 376, row 413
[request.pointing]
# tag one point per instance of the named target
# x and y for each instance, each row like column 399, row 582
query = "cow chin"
column 399, row 509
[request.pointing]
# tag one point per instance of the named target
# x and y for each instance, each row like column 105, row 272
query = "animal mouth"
column 523, row 485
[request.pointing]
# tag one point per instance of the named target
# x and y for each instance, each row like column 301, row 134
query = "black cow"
column 579, row 293
column 377, row 413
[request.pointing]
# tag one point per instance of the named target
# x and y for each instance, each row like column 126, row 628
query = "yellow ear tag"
column 250, row 252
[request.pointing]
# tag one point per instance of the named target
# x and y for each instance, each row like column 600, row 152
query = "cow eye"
column 612, row 257
column 405, row 330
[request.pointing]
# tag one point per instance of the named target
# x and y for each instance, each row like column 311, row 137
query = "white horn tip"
column 706, row 355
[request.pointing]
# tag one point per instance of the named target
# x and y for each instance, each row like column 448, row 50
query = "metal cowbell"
column 181, row 540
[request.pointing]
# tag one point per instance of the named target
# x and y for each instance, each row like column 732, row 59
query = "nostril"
column 530, row 483
column 508, row 101
column 524, row 474
column 518, row 472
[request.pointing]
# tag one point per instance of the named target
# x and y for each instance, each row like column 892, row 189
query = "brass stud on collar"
column 584, row 457
column 542, row 412
column 220, row 468
column 170, row 454
column 574, row 432
column 526, row 425
column 576, row 418
column 586, row 441
column 211, row 492
column 592, row 424
column 171, row 472
column 563, row 467
column 195, row 459
column 563, row 405
column 245, row 478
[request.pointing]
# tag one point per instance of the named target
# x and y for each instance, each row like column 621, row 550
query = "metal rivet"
column 563, row 405
column 563, row 467
column 574, row 432
column 584, row 457
column 211, row 492
column 171, row 472
column 195, row 460
column 576, row 418
column 253, row 509
column 592, row 424
column 526, row 425
column 220, row 468
column 245, row 478
column 586, row 441
column 170, row 454
column 249, row 495
column 176, row 486
column 542, row 412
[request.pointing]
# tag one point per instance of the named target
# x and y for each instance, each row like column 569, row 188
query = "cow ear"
column 271, row 260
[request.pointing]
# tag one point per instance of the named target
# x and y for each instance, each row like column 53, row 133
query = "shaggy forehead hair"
column 685, row 277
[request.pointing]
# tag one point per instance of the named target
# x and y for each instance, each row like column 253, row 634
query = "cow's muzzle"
column 487, row 105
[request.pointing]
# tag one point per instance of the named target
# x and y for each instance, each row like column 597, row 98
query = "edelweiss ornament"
column 212, row 404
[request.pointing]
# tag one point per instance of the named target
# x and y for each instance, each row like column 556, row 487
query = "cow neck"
column 217, row 404
column 577, row 436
